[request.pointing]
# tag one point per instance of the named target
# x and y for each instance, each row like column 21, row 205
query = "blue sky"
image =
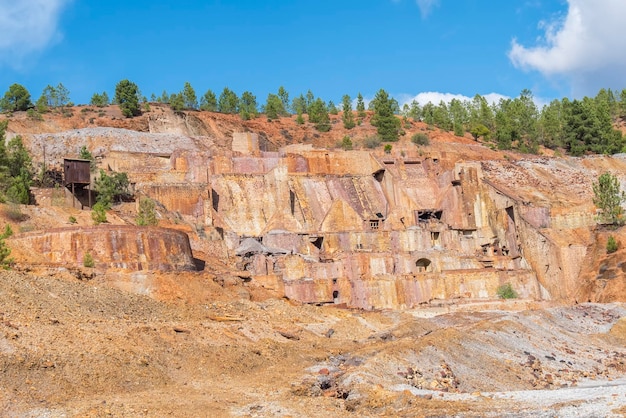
column 422, row 48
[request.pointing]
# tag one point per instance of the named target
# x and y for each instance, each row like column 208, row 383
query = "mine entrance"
column 317, row 242
column 335, row 296
column 423, row 265
column 426, row 215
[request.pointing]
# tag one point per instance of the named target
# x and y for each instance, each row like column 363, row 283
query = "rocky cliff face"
column 118, row 246
column 449, row 222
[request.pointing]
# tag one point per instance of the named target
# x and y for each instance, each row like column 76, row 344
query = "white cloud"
column 27, row 26
column 435, row 98
column 426, row 6
column 585, row 47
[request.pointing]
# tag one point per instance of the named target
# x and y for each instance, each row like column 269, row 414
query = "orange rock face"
column 119, row 246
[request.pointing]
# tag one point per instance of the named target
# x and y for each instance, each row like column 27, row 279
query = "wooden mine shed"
column 77, row 172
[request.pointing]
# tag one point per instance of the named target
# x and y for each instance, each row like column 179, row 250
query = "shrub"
column 146, row 216
column 13, row 212
column 611, row 245
column 372, row 142
column 5, row 251
column 346, row 143
column 506, row 291
column 98, row 213
column 72, row 219
column 388, row 148
column 88, row 260
column 420, row 139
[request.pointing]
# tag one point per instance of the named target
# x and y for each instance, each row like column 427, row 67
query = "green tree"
column 273, row 107
column 384, row 119
column 346, row 143
column 284, row 99
column 309, row 99
column 108, row 187
column 228, row 101
column 48, row 99
column 15, row 98
column 127, row 97
column 177, row 102
column 100, row 100
column 551, row 125
column 63, row 95
column 298, row 105
column 98, row 213
column 318, row 115
column 459, row 116
column 84, row 154
column 608, row 197
column 208, row 101
column 332, row 109
column 189, row 97
column 360, row 106
column 16, row 171
column 5, row 261
column 611, row 245
column 248, row 106
column 347, row 116
column 441, row 117
column 479, row 130
column 146, row 215
column 414, row 111
column 88, row 261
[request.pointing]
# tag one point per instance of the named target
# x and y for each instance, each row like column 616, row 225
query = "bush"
column 611, row 245
column 14, row 213
column 506, row 291
column 88, row 260
column 388, row 148
column 5, row 251
column 420, row 139
column 146, row 216
column 346, row 143
column 72, row 219
column 372, row 142
column 98, row 213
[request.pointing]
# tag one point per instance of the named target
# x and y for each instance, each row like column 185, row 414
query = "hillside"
column 290, row 277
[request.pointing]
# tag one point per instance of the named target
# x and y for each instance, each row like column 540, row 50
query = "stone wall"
column 119, row 246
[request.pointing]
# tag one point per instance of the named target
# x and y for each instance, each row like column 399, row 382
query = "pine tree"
column 318, row 115
column 247, row 106
column 208, row 101
column 127, row 97
column 228, row 101
column 273, row 107
column 384, row 119
column 284, row 98
column 609, row 198
column 347, row 116
column 190, row 101
column 360, row 106
column 15, row 99
column 146, row 215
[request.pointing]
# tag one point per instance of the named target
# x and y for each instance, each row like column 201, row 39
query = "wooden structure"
column 77, row 172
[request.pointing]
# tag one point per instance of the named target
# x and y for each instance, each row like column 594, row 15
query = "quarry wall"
column 118, row 246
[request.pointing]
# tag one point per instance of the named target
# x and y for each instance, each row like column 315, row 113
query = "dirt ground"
column 194, row 344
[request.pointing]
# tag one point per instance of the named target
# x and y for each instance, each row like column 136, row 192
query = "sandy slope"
column 85, row 348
